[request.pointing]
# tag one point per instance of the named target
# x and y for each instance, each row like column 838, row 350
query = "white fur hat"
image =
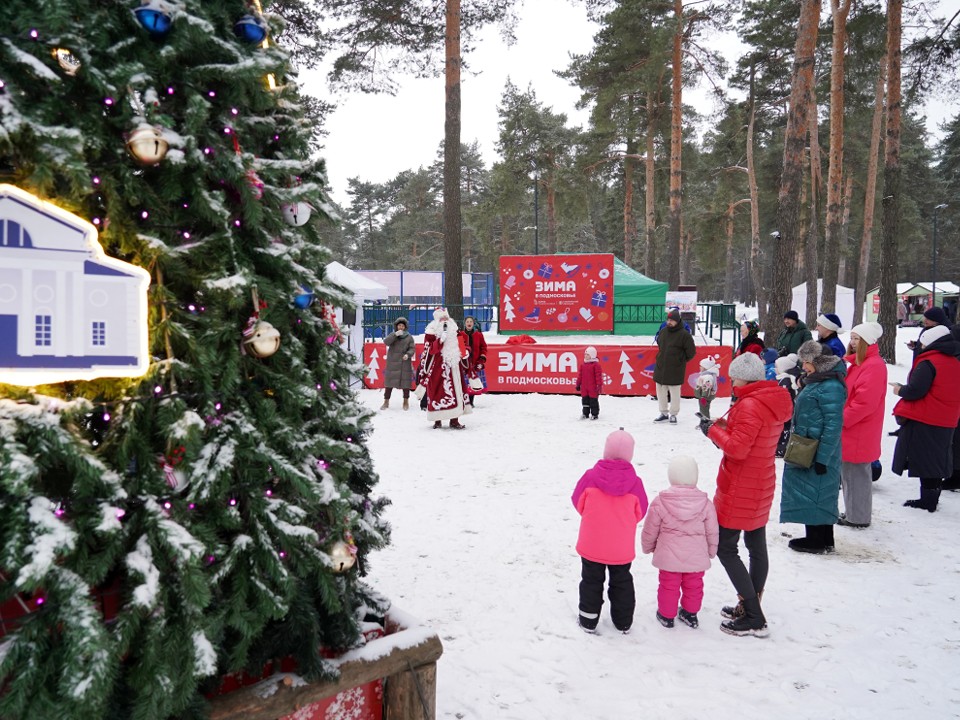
column 708, row 363
column 747, row 367
column 869, row 332
column 683, row 470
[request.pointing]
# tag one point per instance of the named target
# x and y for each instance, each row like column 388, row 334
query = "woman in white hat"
column 862, row 423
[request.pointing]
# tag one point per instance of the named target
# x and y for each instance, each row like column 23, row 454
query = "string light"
column 34, row 34
column 108, row 101
column 96, row 180
column 106, row 417
column 233, row 502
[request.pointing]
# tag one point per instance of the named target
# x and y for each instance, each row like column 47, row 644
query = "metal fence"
column 718, row 319
column 378, row 319
column 638, row 313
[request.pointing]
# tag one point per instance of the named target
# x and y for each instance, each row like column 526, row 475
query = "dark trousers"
column 748, row 583
column 387, row 392
column 622, row 598
column 591, row 405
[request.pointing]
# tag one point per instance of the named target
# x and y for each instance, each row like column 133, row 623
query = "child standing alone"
column 611, row 501
column 682, row 533
column 706, row 388
column 590, row 384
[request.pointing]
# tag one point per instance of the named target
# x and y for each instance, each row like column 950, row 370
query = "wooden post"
column 411, row 694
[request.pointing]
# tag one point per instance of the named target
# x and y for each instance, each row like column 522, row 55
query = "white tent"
column 843, row 309
column 363, row 289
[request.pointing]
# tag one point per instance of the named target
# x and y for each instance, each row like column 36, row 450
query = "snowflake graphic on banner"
column 348, row 705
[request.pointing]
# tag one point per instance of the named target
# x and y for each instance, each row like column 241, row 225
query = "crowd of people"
column 822, row 411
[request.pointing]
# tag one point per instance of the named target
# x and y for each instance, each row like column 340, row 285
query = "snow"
column 140, row 562
column 205, row 663
column 51, row 537
column 483, row 552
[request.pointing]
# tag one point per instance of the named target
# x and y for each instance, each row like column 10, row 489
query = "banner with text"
column 567, row 293
column 542, row 368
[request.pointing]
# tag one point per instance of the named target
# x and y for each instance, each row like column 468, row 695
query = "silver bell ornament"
column 67, row 61
column 343, row 555
column 261, row 339
column 296, row 213
column 147, row 145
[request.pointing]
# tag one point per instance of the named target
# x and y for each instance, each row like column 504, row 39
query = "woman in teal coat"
column 810, row 495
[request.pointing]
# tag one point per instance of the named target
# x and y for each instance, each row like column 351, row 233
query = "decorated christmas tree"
column 184, row 485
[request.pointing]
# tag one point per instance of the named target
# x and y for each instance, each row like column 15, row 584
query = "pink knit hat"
column 619, row 446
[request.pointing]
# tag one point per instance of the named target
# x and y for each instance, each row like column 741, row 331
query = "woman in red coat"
column 862, row 423
column 746, row 483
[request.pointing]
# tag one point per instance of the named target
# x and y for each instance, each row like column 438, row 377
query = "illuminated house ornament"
column 67, row 311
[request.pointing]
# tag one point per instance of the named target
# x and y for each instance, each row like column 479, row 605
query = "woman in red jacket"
column 862, row 423
column 745, row 485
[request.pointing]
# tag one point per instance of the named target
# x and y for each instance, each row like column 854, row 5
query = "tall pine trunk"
column 811, row 260
column 798, row 123
column 650, row 211
column 629, row 218
column 676, row 148
column 452, row 250
column 840, row 9
column 756, row 267
column 866, row 240
column 551, row 211
column 845, row 231
column 892, row 202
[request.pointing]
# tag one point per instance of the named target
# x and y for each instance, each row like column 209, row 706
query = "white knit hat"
column 683, row 470
column 869, row 332
column 785, row 363
column 590, row 352
column 931, row 335
column 708, row 363
column 747, row 367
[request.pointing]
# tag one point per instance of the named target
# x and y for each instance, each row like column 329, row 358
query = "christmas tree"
column 159, row 531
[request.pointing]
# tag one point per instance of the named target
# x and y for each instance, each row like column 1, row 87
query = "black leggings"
column 750, row 583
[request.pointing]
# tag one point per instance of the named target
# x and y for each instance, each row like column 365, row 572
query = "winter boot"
column 929, row 495
column 688, row 618
column 455, row 424
column 665, row 621
column 752, row 623
column 386, row 404
column 406, row 403
column 732, row 612
column 588, row 621
column 437, row 425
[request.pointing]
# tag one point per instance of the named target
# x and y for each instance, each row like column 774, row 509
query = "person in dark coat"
column 399, row 372
column 676, row 350
column 931, row 318
column 793, row 335
column 827, row 327
column 749, row 340
column 811, row 495
column 928, row 413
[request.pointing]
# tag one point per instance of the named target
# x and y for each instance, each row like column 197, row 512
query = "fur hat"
column 830, row 322
column 869, row 332
column 747, row 367
column 399, row 320
column 708, row 363
column 590, row 353
column 674, row 314
column 937, row 315
column 929, row 336
column 822, row 358
column 683, row 470
column 619, row 446
column 791, row 315
column 787, row 362
column 770, row 355
column 810, row 351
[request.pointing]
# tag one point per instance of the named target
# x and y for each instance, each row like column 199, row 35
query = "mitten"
column 705, row 426
column 820, row 468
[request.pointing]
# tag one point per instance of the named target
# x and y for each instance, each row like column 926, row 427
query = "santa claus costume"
column 441, row 370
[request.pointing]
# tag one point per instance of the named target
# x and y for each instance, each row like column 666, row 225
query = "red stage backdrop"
column 627, row 369
column 562, row 293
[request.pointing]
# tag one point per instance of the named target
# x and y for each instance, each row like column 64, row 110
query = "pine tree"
column 210, row 497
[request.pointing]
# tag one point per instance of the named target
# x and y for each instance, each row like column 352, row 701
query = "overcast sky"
column 374, row 137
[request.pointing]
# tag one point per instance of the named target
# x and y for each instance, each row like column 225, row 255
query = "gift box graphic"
column 599, row 299
column 545, row 271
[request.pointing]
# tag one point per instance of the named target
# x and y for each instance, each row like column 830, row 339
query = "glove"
column 820, row 468
column 479, row 366
column 406, row 357
column 705, row 426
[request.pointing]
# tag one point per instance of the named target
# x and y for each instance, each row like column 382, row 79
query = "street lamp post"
column 936, row 211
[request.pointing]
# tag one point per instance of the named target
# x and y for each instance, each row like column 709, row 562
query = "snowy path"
column 483, row 552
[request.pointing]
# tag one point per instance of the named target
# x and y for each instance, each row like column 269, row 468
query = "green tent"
column 639, row 301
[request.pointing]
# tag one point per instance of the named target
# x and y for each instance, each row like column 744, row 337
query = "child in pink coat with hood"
column 682, row 533
column 611, row 501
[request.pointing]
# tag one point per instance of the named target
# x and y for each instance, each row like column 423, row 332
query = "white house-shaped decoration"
column 67, row 311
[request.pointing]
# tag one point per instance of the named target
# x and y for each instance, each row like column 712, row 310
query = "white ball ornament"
column 147, row 145
column 343, row 556
column 296, row 213
column 262, row 340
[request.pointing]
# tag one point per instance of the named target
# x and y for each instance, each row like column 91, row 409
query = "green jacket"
column 790, row 339
column 676, row 350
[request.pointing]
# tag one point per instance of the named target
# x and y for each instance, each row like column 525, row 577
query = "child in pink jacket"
column 611, row 501
column 682, row 533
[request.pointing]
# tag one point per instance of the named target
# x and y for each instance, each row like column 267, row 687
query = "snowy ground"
column 483, row 552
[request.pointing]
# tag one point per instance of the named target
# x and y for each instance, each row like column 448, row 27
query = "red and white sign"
column 564, row 293
column 542, row 368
